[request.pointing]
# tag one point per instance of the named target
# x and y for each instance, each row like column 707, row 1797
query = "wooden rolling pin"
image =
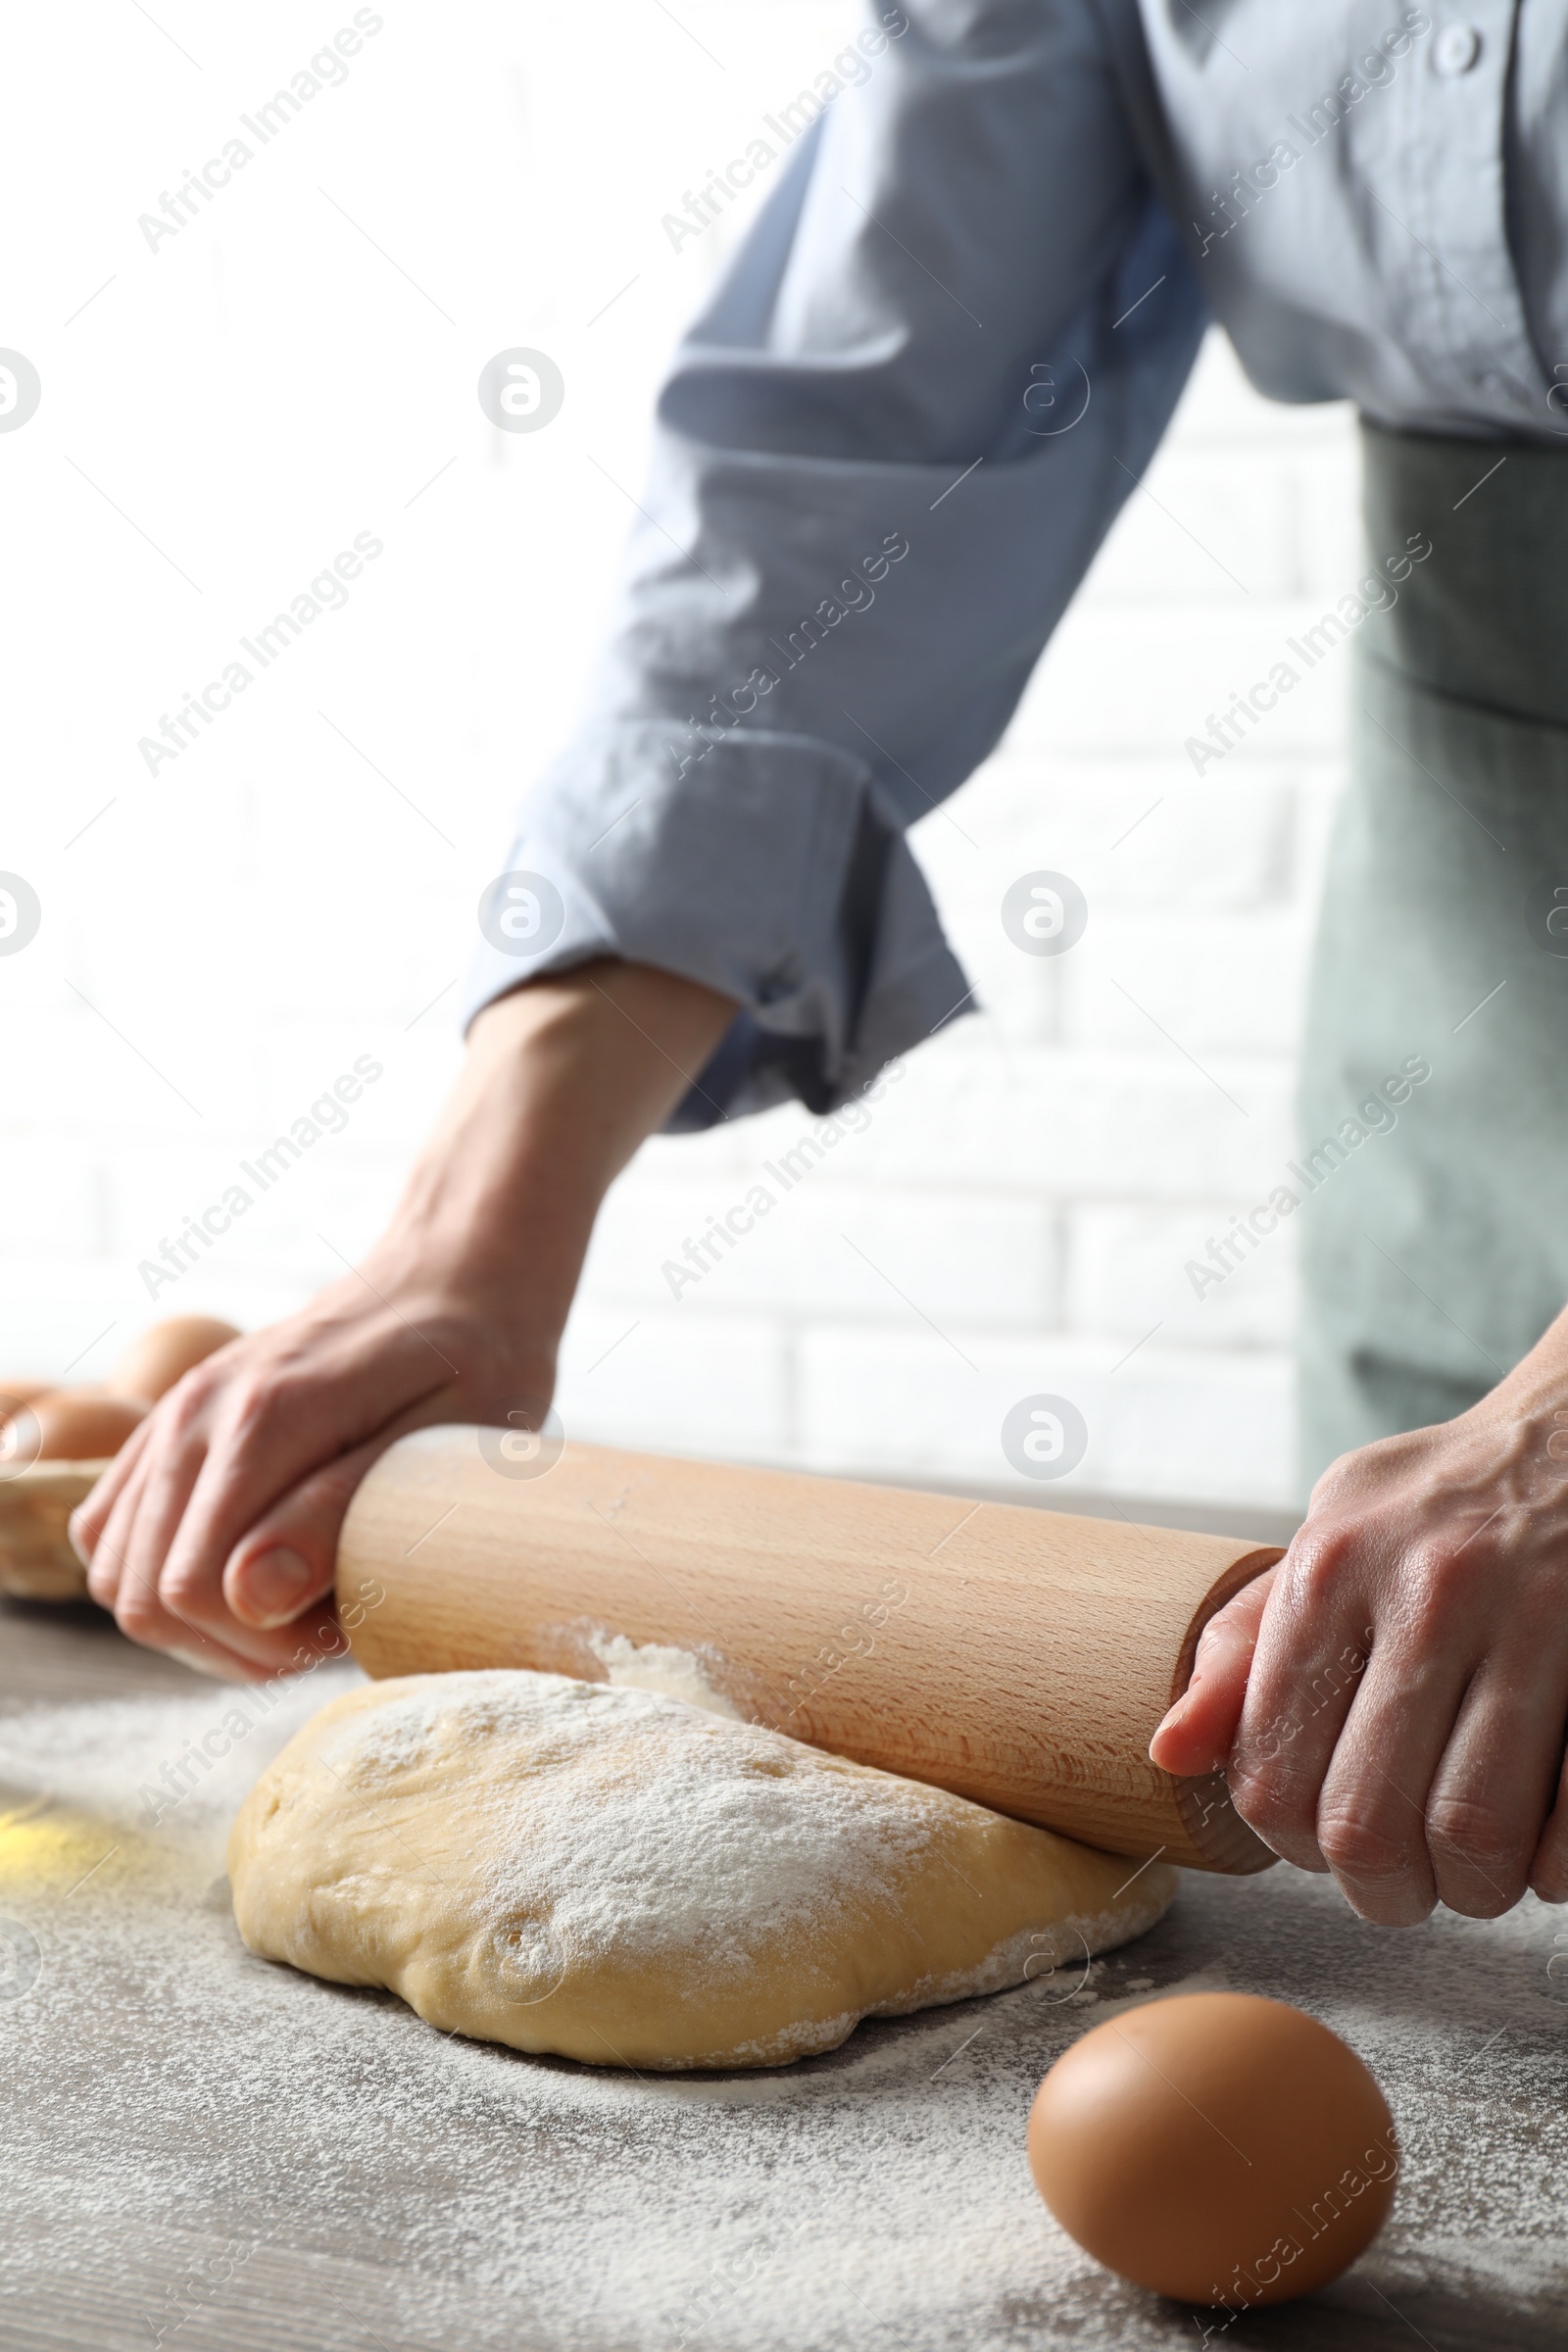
column 1018, row 1656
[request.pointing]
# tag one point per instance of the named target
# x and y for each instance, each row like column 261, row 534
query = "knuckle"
column 1334, row 1484
column 1267, row 1759
column 1351, row 1476
column 1476, row 1836
column 262, row 1393
column 1317, row 1565
column 1433, row 1577
column 179, row 1592
column 102, row 1579
column 247, row 1394
column 136, row 1610
column 1266, row 1797
column 1430, row 1564
column 1361, row 1848
column 182, row 1409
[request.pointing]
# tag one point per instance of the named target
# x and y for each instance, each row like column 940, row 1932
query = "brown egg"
column 152, row 1364
column 68, row 1425
column 1217, row 2147
column 15, row 1392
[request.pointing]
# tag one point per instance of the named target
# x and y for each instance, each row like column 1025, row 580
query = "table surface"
column 205, row 2150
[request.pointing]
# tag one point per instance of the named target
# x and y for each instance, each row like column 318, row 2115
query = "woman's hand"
column 215, row 1532
column 1391, row 1700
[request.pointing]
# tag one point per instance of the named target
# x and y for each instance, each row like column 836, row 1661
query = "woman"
column 886, row 457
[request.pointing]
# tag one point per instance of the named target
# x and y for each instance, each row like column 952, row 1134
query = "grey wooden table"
column 203, row 2151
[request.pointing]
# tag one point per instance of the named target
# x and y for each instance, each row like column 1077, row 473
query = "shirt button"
column 1456, row 49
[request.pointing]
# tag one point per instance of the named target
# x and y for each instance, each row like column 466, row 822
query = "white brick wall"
column 222, row 938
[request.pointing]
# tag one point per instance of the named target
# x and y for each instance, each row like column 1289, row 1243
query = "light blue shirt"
column 889, row 447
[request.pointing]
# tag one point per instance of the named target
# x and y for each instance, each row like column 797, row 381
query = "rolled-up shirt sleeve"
column 885, row 455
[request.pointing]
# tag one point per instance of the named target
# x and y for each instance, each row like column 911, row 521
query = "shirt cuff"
column 768, row 866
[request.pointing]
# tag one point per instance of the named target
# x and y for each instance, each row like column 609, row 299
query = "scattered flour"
column 168, row 2094
column 657, row 1666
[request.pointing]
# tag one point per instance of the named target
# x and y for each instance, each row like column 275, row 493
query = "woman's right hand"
column 213, row 1534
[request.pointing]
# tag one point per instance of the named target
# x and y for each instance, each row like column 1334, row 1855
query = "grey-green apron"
column 1434, row 1249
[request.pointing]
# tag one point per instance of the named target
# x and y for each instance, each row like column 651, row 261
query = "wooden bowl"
column 36, row 1561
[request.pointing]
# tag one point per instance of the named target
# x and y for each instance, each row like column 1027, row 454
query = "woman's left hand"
column 1389, row 1701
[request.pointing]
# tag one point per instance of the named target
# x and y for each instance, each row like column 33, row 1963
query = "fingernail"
column 274, row 1585
column 75, row 1541
column 1171, row 1715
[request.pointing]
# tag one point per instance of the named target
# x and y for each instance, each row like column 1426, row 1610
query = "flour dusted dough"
column 611, row 1875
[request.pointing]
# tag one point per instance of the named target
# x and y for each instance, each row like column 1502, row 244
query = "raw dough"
column 613, row 1876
